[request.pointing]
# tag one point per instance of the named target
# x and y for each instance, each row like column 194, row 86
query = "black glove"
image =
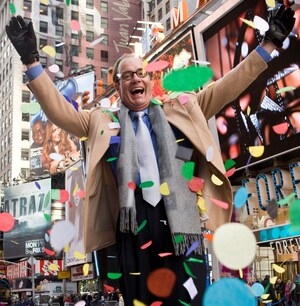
column 23, row 39
column 281, row 22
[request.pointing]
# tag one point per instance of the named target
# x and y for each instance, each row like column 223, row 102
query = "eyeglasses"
column 128, row 75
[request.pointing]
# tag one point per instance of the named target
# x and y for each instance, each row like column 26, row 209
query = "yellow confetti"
column 83, row 138
column 66, row 248
column 249, row 23
column 49, row 50
column 179, row 140
column 79, row 255
column 135, row 273
column 86, row 110
column 199, row 192
column 74, row 168
column 75, row 190
column 138, row 303
column 145, row 63
column 201, row 204
column 285, row 89
column 164, row 189
column 53, row 267
column 265, row 296
column 271, row 3
column 256, row 151
column 44, row 2
column 248, row 110
column 216, row 180
column 273, row 280
column 278, row 269
column 241, row 273
column 85, row 269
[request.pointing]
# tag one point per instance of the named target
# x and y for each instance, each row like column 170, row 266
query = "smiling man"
column 158, row 233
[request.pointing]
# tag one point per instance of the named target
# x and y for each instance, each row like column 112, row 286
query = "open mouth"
column 137, row 91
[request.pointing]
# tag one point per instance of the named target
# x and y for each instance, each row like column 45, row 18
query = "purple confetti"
column 37, row 185
column 192, row 248
column 115, row 139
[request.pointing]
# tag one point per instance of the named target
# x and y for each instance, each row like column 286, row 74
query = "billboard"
column 51, row 148
column 267, row 113
column 30, row 205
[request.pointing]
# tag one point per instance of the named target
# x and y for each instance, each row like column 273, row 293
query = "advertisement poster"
column 52, row 150
column 30, row 205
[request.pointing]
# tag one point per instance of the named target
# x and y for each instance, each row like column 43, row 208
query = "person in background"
column 38, row 134
column 280, row 290
column 269, row 288
column 115, row 206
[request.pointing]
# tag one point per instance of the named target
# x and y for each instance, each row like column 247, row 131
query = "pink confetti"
column 75, row 25
column 80, row 194
column 7, row 222
column 165, row 254
column 280, row 128
column 64, row 195
column 183, row 99
column 131, row 185
column 156, row 303
column 146, row 245
column 220, row 203
column 230, row 172
column 196, row 184
column 156, row 66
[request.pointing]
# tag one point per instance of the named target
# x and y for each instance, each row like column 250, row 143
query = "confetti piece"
column 256, row 151
column 285, row 89
column 183, row 303
column 219, row 203
column 112, row 275
column 249, row 23
column 160, row 282
column 178, row 239
column 183, row 99
column 49, row 51
column 165, row 254
column 68, row 2
column 156, row 66
column 248, row 110
column 179, row 140
column 241, row 273
column 70, row 204
column 75, row 25
column 240, row 197
column 210, row 153
column 111, row 159
column 85, row 269
column 196, row 184
column 176, row 80
column 216, row 180
column 79, row 255
column 64, row 195
column 280, row 128
column 156, row 101
column 294, row 214
column 265, row 296
column 53, row 68
column 131, row 185
column 80, row 303
column 257, row 289
column 47, row 238
column 287, row 199
column 138, row 303
column 44, row 2
column 261, row 24
column 190, row 287
column 62, row 232
column 278, row 269
column 12, row 8
column 74, row 168
column 229, row 163
column 188, row 270
column 96, row 41
column 83, row 138
column 208, row 236
column 53, row 267
column 187, row 170
column 240, row 293
column 196, row 260
column 49, row 252
column 273, row 280
column 271, row 3
column 234, row 245
column 37, row 185
column 156, row 303
column 192, row 248
column 164, row 189
column 80, row 194
column 56, row 156
column 201, row 203
column 7, row 222
column 47, row 217
column 143, row 224
column 146, row 245
column 230, row 172
column 146, row 184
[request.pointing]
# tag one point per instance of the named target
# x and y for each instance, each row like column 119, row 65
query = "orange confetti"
column 208, row 236
column 220, row 203
column 131, row 185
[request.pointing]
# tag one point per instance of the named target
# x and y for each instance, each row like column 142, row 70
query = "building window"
column 104, row 41
column 25, row 135
column 25, row 117
column 104, row 6
column 168, row 24
column 74, row 36
column 9, row 119
column 104, row 73
column 74, row 50
column 2, row 143
column 152, row 18
column 26, row 96
column 25, row 173
column 74, row 15
column 74, row 65
column 25, row 154
column 59, row 30
column 90, row 4
column 59, row 49
column 43, row 9
column 75, row 2
column 89, row 36
column 5, row 160
column 90, row 53
column 104, row 23
column 27, row 6
column 89, row 19
column 43, row 42
column 43, row 27
column 9, row 136
column 168, row 6
column 43, row 61
column 60, row 12
column 160, row 14
column 60, row 64
column 104, row 56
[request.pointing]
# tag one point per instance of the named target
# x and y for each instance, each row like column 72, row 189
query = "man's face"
column 38, row 133
column 137, row 92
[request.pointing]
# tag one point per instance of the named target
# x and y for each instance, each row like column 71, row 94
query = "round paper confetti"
column 239, row 293
column 183, row 99
column 256, row 151
column 62, row 233
column 12, row 8
column 53, row 68
column 156, row 66
column 229, row 163
column 261, row 24
column 160, row 282
column 146, row 245
column 85, row 269
column 258, row 289
column 271, row 3
column 234, row 245
column 187, row 170
column 280, row 128
column 278, row 269
column 273, row 280
column 240, row 197
column 63, row 195
column 112, row 275
column 56, row 156
column 216, row 180
column 37, row 185
column 7, row 222
column 164, row 189
column 196, row 184
column 138, row 303
column 79, row 255
column 49, row 50
column 197, row 76
column 33, row 108
column 80, row 303
column 75, row 25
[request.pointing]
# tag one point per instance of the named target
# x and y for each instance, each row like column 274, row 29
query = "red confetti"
column 64, row 195
column 156, row 303
column 7, row 222
column 70, row 204
column 131, row 185
column 196, row 184
column 146, row 245
column 80, row 194
column 230, row 172
column 49, row 252
column 164, row 254
column 220, row 203
column 280, row 128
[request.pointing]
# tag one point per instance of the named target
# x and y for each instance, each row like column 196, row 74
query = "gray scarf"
column 180, row 204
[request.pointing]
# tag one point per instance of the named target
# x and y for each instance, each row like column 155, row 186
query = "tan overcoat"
column 101, row 193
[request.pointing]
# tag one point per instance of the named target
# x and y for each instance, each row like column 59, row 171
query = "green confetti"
column 112, row 275
column 192, row 259
column 12, row 8
column 68, row 2
column 187, row 170
column 285, row 89
column 47, row 199
column 155, row 101
column 102, row 132
column 229, row 163
column 111, row 159
column 287, row 199
column 146, row 184
column 141, row 226
column 178, row 239
column 47, row 217
column 294, row 214
column 183, row 303
column 188, row 270
column 55, row 194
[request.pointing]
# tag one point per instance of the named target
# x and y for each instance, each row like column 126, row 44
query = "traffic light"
column 98, row 87
column 85, row 98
